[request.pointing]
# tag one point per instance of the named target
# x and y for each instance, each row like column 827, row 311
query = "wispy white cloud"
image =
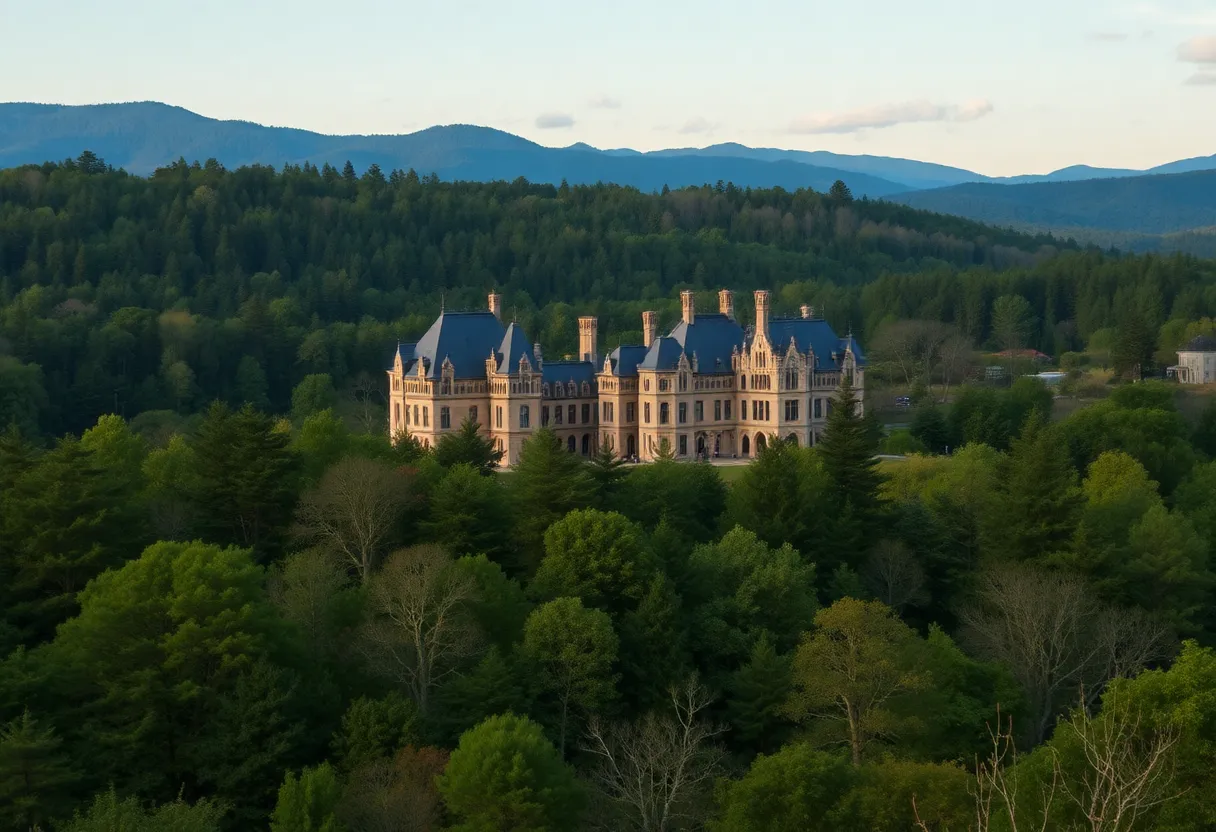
column 605, row 102
column 696, row 125
column 889, row 115
column 554, row 121
column 1202, row 79
column 1200, row 50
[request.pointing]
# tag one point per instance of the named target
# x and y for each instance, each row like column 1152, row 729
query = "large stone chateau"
column 710, row 388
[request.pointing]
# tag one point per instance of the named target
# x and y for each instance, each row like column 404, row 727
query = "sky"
column 993, row 86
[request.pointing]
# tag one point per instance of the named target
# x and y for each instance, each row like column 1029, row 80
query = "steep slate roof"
column 554, row 372
column 513, row 347
column 858, row 355
column 811, row 333
column 465, row 338
column 625, row 359
column 712, row 337
column 1200, row 343
column 664, row 354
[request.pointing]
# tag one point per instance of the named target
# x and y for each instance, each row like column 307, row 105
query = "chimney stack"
column 650, row 327
column 762, row 300
column 540, row 360
column 808, row 312
column 726, row 303
column 688, row 306
column 588, row 340
column 496, row 304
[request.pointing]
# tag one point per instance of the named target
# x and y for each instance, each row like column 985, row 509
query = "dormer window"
column 545, row 390
column 586, row 389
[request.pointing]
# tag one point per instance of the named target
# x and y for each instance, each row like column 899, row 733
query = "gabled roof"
column 625, row 359
column 464, row 338
column 1200, row 343
column 712, row 337
column 858, row 355
column 561, row 372
column 664, row 354
column 808, row 334
column 514, row 346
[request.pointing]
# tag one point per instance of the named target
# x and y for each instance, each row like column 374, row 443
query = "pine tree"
column 468, row 446
column 1041, row 501
column 548, row 483
column 756, row 694
column 607, row 471
column 35, row 776
column 848, row 448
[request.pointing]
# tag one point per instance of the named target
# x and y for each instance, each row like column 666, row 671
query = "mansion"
column 709, row 388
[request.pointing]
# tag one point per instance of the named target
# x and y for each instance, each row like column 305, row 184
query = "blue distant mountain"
column 143, row 136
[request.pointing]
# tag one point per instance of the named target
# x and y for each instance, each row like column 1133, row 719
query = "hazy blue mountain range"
column 1173, row 211
column 141, row 137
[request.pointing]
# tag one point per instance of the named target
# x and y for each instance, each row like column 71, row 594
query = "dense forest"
column 127, row 294
column 295, row 627
column 229, row 602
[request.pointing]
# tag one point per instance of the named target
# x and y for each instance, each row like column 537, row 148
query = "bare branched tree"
column 304, row 587
column 369, row 395
column 353, row 510
column 1129, row 768
column 1056, row 638
column 894, row 576
column 955, row 359
column 419, row 629
column 910, row 348
column 397, row 795
column 655, row 773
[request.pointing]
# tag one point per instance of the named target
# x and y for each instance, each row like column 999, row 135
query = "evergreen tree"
column 468, row 446
column 547, row 483
column 607, row 472
column 1040, row 499
column 756, row 696
column 848, row 449
column 35, row 774
column 246, row 480
column 309, row 802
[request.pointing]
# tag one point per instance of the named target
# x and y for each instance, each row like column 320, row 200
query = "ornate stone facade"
column 709, row 388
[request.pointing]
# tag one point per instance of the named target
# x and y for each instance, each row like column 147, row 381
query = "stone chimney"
column 762, row 309
column 726, row 303
column 588, row 340
column 688, row 306
column 496, row 304
column 650, row 327
column 808, row 312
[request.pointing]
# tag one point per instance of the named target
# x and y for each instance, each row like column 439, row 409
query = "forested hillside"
column 125, row 294
column 262, row 624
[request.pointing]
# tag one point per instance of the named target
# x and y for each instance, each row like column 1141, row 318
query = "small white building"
column 1197, row 361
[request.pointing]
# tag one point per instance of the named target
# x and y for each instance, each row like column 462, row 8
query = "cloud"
column 605, row 102
column 696, row 125
column 1200, row 50
column 889, row 115
column 1107, row 37
column 554, row 121
column 1202, row 79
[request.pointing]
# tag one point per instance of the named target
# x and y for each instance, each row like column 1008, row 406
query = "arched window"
column 746, row 445
column 570, row 444
column 586, row 444
column 646, row 385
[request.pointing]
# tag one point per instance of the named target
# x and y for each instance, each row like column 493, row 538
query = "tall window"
column 397, row 410
column 646, row 412
column 544, row 416
column 473, row 413
column 426, row 416
column 498, row 417
column 416, row 422
column 726, row 410
column 818, row 408
column 683, row 382
column 557, row 414
column 791, row 410
column 767, row 413
column 756, row 410
column 717, row 410
column 525, row 416
column 664, row 413
column 698, row 411
column 629, row 413
column 571, row 415
column 683, row 444
column 683, row 412
column 445, row 418
column 586, row 414
column 791, row 379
